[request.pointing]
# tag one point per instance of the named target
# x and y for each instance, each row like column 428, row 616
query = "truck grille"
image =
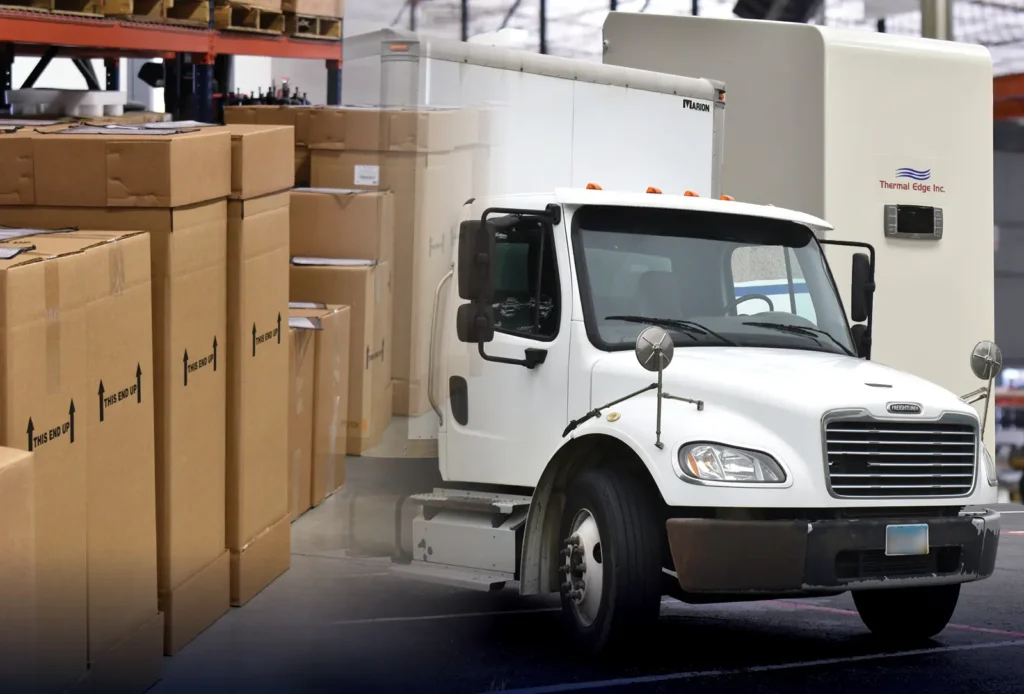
column 886, row 458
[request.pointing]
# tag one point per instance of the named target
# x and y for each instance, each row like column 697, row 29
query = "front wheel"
column 907, row 613
column 610, row 567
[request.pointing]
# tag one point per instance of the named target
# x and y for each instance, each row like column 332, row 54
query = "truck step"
column 455, row 576
column 476, row 502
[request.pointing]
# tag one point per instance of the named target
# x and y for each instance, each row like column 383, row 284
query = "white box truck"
column 641, row 387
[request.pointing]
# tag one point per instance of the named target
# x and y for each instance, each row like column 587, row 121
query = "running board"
column 497, row 506
column 466, row 538
column 455, row 576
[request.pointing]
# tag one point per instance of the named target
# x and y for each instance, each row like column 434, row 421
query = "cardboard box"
column 390, row 129
column 17, row 571
column 272, row 5
column 189, row 270
column 128, row 665
column 261, row 157
column 87, row 166
column 316, row 8
column 302, row 347
column 121, row 482
column 78, row 313
column 366, row 288
column 16, row 183
column 257, row 447
column 295, row 116
column 425, row 159
column 330, row 394
column 338, row 223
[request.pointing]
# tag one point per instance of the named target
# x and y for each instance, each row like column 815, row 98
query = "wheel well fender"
column 538, row 572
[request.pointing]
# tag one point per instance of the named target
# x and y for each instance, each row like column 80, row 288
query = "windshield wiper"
column 687, row 327
column 801, row 330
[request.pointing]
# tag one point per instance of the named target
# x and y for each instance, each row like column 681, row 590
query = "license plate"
column 906, row 540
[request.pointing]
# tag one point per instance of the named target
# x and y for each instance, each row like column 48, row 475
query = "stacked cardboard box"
column 315, row 8
column 18, row 641
column 295, row 116
column 172, row 185
column 300, row 415
column 331, row 326
column 258, row 515
column 342, row 247
column 425, row 159
column 80, row 398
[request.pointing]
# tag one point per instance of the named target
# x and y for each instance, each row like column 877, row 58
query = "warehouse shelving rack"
column 49, row 34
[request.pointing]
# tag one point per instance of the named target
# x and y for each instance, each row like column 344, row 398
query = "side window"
column 763, row 271
column 527, row 293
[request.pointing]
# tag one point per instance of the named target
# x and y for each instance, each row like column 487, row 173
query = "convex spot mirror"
column 986, row 360
column 476, row 261
column 654, row 348
column 474, row 323
column 861, row 289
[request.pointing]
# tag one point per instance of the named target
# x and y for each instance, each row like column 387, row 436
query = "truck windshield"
column 710, row 279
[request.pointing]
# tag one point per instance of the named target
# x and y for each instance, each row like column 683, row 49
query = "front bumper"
column 782, row 557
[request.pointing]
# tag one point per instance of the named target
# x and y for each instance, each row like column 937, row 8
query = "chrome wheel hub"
column 581, row 569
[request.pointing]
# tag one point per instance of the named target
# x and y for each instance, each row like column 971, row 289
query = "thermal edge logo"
column 906, row 178
column 915, row 174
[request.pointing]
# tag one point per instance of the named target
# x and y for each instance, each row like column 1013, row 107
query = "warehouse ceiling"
column 574, row 26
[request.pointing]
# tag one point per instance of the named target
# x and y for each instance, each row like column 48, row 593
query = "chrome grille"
column 892, row 458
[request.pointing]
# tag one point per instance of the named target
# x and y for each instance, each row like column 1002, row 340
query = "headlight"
column 713, row 462
column 990, row 467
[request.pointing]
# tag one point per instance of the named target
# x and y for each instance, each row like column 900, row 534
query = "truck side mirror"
column 862, row 289
column 476, row 262
column 474, row 323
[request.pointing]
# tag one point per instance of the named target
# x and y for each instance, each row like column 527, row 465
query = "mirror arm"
column 534, row 357
column 596, row 412
column 975, row 395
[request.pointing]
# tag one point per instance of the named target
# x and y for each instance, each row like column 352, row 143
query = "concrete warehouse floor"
column 336, row 624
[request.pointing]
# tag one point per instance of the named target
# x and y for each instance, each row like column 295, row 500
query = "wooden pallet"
column 240, row 17
column 188, row 12
column 86, row 7
column 308, row 27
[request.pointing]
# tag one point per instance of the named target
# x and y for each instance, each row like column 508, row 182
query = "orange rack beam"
column 1008, row 97
column 98, row 37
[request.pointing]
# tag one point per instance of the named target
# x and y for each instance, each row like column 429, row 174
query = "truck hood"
column 763, row 399
column 749, row 379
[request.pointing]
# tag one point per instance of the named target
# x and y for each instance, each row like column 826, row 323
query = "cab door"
column 507, row 398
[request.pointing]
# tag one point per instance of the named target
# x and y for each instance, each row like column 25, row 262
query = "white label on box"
column 303, row 323
column 306, row 304
column 366, row 175
column 336, row 262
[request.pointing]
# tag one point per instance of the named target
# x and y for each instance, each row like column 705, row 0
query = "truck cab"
column 643, row 394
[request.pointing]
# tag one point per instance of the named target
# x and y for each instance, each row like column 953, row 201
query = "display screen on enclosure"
column 913, row 222
column 915, row 219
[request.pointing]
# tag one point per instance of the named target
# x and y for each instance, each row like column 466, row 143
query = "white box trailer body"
column 844, row 125
column 554, row 122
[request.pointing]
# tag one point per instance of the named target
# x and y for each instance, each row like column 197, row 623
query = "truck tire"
column 610, row 564
column 910, row 614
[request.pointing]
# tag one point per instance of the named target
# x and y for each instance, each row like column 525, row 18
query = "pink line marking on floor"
column 853, row 613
